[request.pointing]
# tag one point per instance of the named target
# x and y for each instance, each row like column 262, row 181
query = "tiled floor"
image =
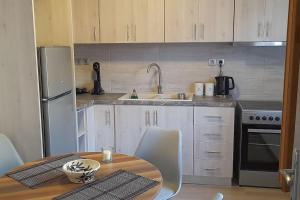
column 197, row 192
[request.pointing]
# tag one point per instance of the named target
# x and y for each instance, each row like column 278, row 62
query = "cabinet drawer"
column 219, row 133
column 213, row 168
column 214, row 116
column 213, row 151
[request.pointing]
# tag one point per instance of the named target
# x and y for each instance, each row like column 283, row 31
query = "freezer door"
column 60, row 135
column 55, row 70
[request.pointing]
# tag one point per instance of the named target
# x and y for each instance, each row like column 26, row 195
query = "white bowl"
column 81, row 170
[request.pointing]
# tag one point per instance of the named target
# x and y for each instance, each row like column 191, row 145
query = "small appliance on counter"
column 81, row 91
column 257, row 143
column 223, row 83
column 97, row 90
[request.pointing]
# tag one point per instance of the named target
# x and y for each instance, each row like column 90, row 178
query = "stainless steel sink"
column 157, row 97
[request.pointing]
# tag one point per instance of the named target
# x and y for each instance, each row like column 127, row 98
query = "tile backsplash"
column 257, row 71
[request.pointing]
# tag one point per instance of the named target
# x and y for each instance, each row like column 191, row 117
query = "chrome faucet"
column 159, row 88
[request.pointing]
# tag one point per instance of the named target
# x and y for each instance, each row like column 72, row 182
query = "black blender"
column 97, row 90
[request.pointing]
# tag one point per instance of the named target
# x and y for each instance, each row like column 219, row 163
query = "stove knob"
column 257, row 118
column 251, row 118
column 264, row 118
column 271, row 118
column 277, row 119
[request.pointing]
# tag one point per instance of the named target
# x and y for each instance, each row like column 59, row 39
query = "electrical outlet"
column 220, row 61
column 212, row 62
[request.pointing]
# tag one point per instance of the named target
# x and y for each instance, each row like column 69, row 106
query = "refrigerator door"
column 60, row 135
column 55, row 70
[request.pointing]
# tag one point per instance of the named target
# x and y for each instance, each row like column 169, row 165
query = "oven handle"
column 276, row 131
column 257, row 144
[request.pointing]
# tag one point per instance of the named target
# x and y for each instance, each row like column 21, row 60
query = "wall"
column 297, row 125
column 19, row 98
column 258, row 71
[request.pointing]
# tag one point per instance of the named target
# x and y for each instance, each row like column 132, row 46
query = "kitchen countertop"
column 86, row 100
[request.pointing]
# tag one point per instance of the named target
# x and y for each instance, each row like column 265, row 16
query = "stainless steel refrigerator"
column 57, row 100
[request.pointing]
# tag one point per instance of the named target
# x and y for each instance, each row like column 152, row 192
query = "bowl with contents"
column 81, row 170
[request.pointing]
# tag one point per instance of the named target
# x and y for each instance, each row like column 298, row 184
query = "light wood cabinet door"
column 216, row 27
column 147, row 23
column 131, row 123
column 181, row 20
column 115, row 18
column 193, row 21
column 180, row 118
column 104, row 126
column 53, row 23
column 86, row 24
column 276, row 20
column 249, row 20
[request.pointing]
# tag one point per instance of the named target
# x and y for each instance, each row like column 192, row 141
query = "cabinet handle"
column 213, row 134
column 213, row 152
column 94, row 33
column 195, row 32
column 202, row 31
column 147, row 118
column 134, row 32
column 106, row 117
column 127, row 32
column 109, row 122
column 156, row 118
column 211, row 169
column 260, row 30
column 268, row 25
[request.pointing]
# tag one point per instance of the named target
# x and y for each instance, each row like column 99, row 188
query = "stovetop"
column 261, row 105
column 261, row 112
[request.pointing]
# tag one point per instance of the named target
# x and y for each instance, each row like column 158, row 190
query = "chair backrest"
column 9, row 157
column 163, row 148
column 219, row 196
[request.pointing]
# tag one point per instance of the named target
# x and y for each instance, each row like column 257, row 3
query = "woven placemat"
column 43, row 172
column 120, row 185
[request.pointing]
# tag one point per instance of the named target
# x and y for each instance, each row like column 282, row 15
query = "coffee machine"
column 223, row 85
column 97, row 90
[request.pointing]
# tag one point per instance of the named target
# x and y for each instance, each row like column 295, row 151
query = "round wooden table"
column 13, row 190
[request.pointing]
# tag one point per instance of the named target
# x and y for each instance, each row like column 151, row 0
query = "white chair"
column 219, row 196
column 163, row 148
column 9, row 157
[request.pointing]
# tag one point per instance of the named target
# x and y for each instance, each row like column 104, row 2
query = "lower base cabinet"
column 132, row 122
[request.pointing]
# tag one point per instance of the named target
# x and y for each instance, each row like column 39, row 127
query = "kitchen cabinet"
column 90, row 123
column 130, row 21
column 260, row 20
column 82, row 133
column 104, row 126
column 213, row 142
column 199, row 20
column 53, row 23
column 132, row 122
column 86, row 24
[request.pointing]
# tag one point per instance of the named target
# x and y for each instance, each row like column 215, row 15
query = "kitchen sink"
column 157, row 97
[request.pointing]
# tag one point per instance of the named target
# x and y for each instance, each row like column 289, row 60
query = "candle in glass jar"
column 107, row 155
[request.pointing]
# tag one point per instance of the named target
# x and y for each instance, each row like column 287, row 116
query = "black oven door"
column 260, row 147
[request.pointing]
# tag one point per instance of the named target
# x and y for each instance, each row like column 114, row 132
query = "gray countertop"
column 86, row 100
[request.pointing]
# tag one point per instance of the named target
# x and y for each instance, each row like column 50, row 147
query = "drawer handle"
column 213, row 134
column 211, row 169
column 213, row 152
column 213, row 117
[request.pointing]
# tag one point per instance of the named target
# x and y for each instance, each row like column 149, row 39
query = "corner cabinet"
column 132, row 122
column 260, row 20
column 199, row 20
column 213, row 144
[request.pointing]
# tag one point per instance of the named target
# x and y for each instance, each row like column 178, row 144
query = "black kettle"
column 223, row 85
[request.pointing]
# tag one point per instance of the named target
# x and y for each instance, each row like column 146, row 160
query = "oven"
column 259, row 130
column 260, row 147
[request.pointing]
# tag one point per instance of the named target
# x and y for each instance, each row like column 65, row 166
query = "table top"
column 13, row 190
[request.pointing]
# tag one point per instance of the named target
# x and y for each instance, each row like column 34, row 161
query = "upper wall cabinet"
column 260, row 20
column 199, row 20
column 53, row 23
column 131, row 21
column 86, row 21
